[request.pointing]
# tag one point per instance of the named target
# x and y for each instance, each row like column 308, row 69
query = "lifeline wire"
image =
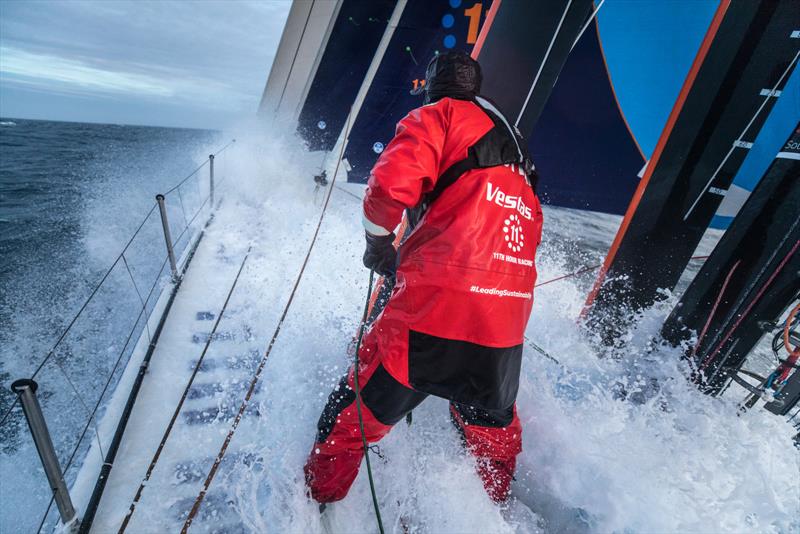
column 121, row 256
column 85, row 304
column 176, row 186
column 105, row 276
column 103, row 392
column 223, row 450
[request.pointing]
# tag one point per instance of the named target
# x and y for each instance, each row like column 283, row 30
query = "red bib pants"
column 454, row 324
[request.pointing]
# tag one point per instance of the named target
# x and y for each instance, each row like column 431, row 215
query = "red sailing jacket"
column 454, row 324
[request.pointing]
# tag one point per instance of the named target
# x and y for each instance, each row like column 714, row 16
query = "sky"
column 190, row 63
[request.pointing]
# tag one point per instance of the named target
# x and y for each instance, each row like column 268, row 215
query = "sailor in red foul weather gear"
column 453, row 326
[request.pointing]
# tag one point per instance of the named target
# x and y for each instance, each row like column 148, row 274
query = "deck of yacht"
column 268, row 242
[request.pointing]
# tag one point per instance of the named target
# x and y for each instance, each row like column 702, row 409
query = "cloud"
column 209, row 58
column 48, row 70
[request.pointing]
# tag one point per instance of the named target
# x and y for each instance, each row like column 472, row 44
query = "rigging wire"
column 541, row 65
column 714, row 310
column 224, row 448
column 588, row 22
column 296, row 52
column 570, row 275
column 735, row 145
column 592, row 268
column 749, row 307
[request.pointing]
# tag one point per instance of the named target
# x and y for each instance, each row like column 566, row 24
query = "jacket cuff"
column 372, row 228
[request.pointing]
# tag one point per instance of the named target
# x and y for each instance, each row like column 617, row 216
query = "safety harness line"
column 257, row 376
column 358, row 405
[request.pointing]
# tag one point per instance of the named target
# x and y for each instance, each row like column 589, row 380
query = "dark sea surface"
column 71, row 196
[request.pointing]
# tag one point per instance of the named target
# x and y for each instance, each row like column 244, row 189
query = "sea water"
column 71, row 195
column 665, row 459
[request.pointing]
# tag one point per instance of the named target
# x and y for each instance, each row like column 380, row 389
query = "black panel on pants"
column 387, row 399
column 340, row 398
column 489, row 418
column 486, row 377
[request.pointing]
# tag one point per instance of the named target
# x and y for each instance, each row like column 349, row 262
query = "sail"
column 750, row 277
column 349, row 51
column 524, row 52
column 779, row 125
column 424, row 29
column 304, row 36
column 748, row 48
column 584, row 150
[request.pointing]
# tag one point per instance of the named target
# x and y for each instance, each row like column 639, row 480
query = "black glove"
column 381, row 255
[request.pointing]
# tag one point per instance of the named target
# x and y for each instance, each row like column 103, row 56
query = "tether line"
column 358, row 406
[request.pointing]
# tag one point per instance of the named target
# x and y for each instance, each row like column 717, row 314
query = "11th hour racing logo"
column 512, row 229
column 494, row 194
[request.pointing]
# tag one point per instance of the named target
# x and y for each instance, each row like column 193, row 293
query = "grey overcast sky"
column 192, row 63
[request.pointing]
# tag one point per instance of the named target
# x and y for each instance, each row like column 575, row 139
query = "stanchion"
column 211, row 180
column 26, row 390
column 173, row 264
